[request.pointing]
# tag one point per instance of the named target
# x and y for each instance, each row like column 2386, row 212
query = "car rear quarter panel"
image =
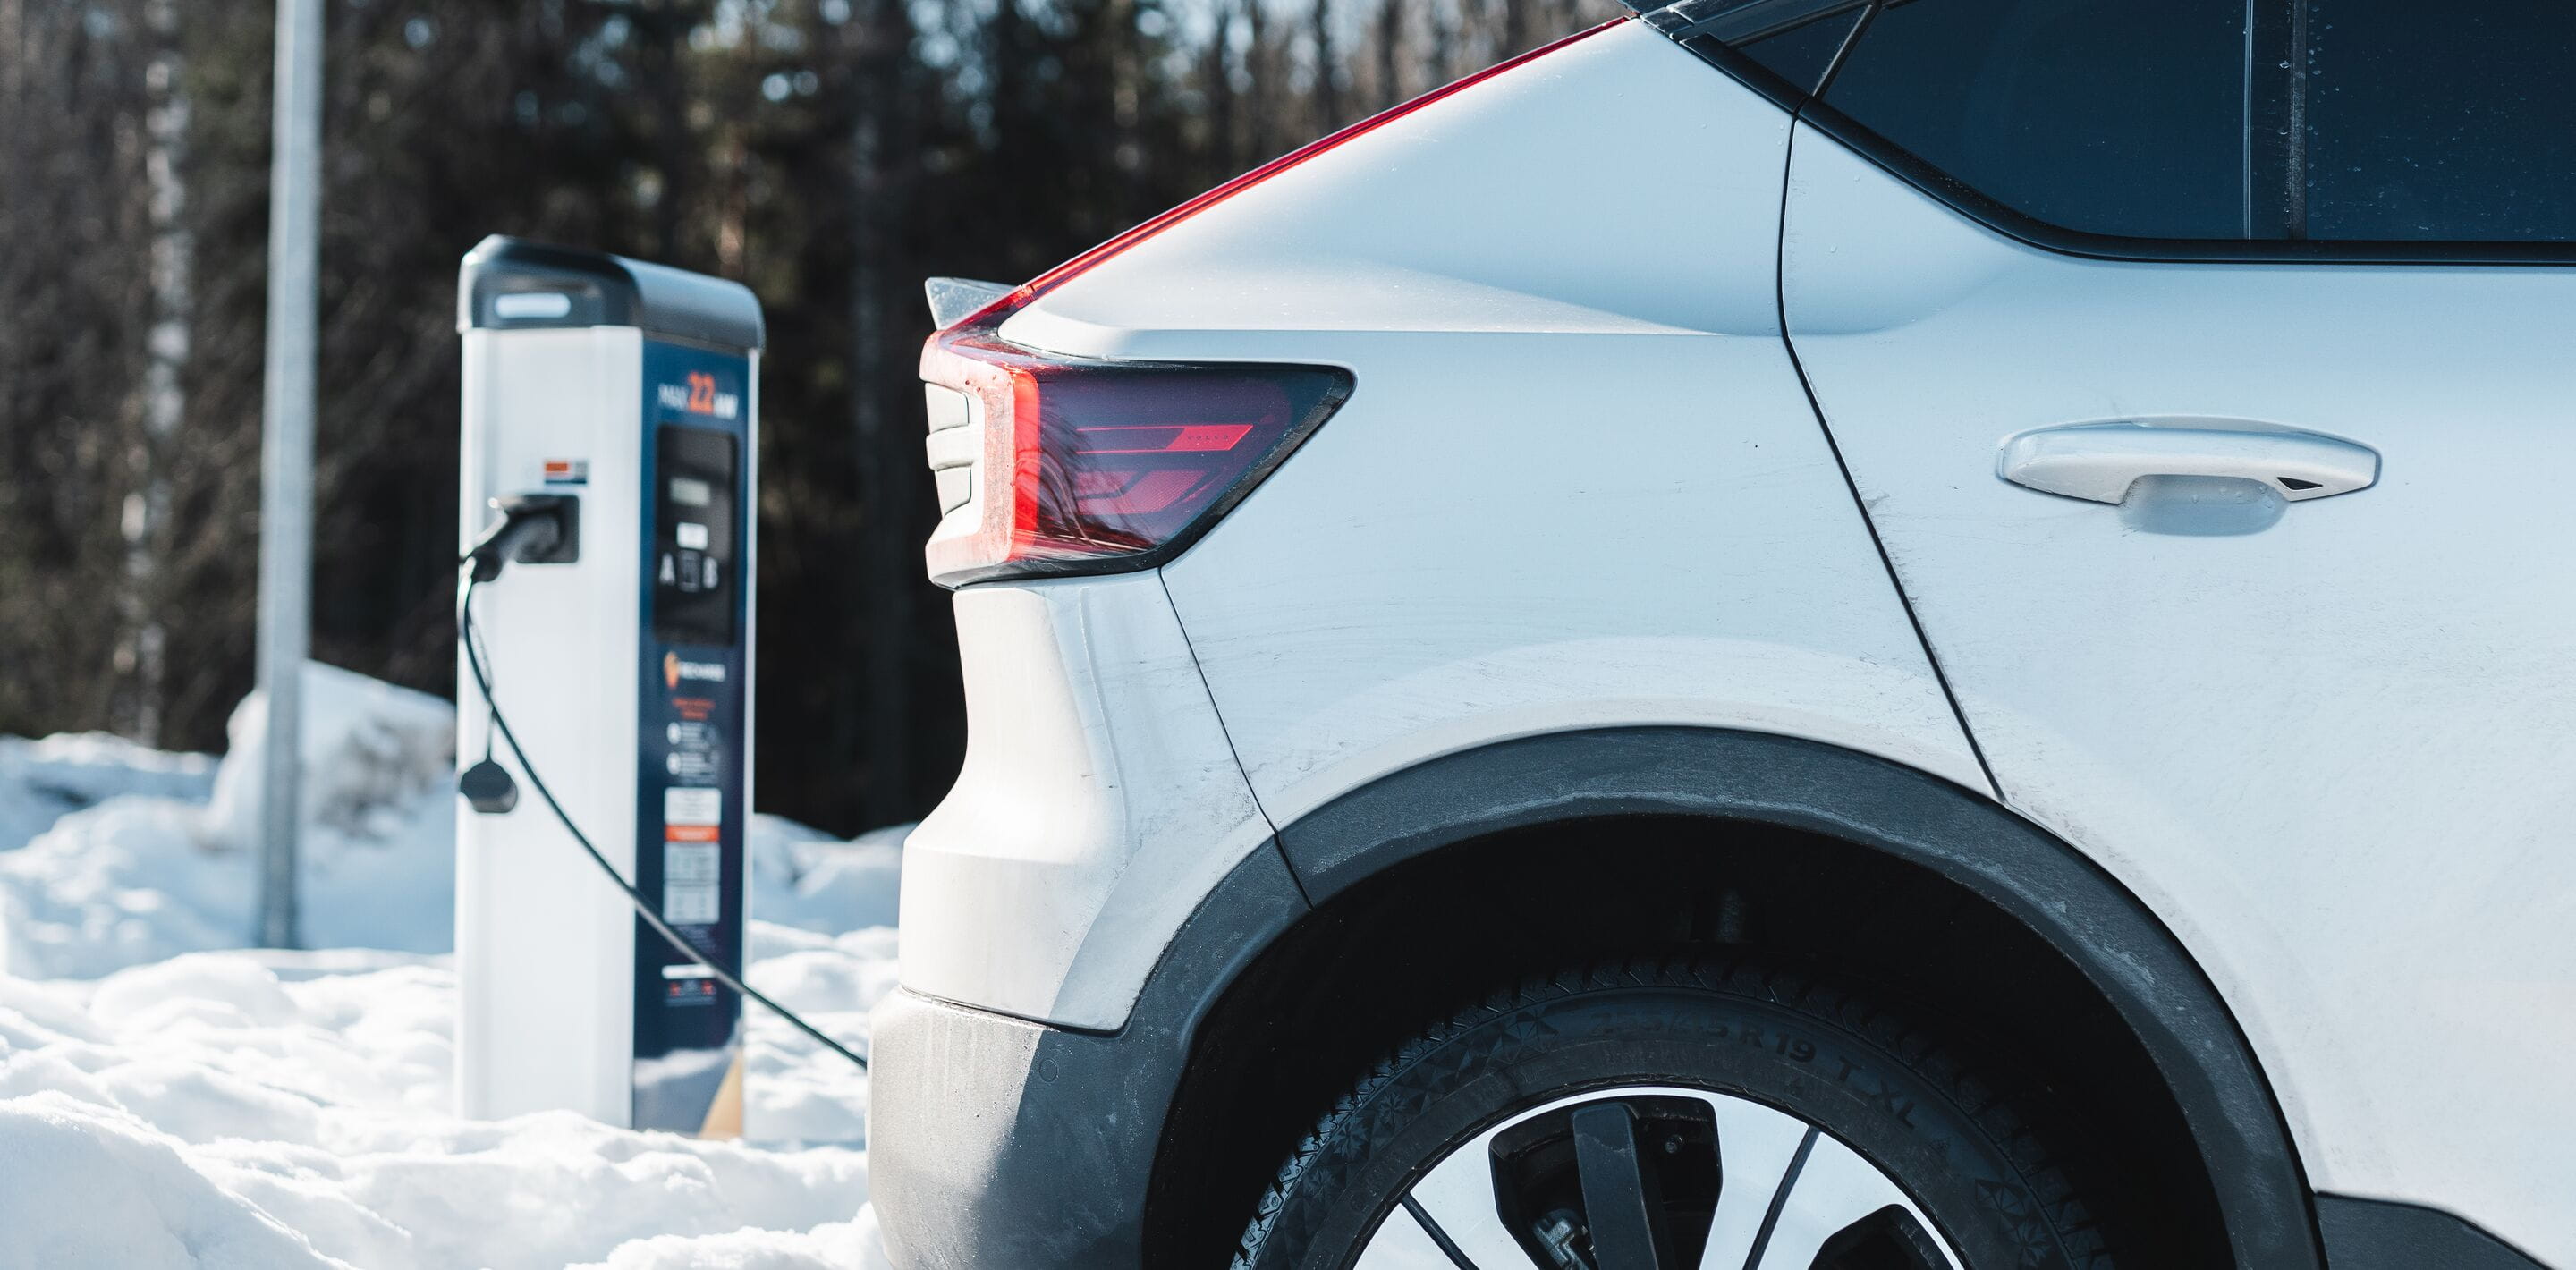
column 1578, row 484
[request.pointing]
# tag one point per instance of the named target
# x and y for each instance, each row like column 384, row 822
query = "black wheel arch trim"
column 2041, row 881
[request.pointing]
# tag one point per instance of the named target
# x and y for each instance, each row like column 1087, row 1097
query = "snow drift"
column 164, row 870
column 289, row 1110
column 170, row 1100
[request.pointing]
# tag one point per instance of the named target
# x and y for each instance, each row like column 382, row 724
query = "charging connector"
column 533, row 529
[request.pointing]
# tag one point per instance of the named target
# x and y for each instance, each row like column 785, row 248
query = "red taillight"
column 1088, row 466
column 1091, row 466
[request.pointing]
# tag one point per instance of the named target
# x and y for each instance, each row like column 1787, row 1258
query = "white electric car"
column 1790, row 634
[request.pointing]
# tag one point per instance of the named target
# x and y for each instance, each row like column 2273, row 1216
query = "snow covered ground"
column 168, row 1099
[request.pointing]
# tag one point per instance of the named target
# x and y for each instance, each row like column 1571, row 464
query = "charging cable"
column 521, row 534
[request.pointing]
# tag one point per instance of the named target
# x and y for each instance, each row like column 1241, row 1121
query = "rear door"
column 2209, row 374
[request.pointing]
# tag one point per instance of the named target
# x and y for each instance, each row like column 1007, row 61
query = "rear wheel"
column 1673, row 1116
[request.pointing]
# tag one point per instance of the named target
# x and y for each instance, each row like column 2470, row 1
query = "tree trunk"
column 1328, row 100
column 1257, row 58
column 1218, row 61
column 142, row 654
column 666, row 34
column 1390, row 56
column 886, row 564
column 1444, row 44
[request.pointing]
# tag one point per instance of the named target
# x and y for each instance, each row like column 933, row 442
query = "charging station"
column 619, row 398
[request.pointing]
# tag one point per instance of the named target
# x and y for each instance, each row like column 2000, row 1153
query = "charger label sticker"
column 691, row 883
column 567, row 471
column 694, row 765
column 692, row 806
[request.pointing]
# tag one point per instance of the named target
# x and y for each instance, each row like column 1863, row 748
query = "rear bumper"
column 999, row 1144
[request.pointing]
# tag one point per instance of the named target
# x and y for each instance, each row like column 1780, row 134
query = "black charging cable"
column 508, row 544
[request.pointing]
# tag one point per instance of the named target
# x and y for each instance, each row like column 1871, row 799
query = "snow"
column 168, row 869
column 170, row 1099
column 41, row 781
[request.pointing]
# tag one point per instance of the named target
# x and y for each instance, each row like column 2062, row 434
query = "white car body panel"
column 1097, row 780
column 2333, row 754
column 1351, row 625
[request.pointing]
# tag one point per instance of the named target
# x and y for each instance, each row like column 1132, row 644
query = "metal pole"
column 286, row 453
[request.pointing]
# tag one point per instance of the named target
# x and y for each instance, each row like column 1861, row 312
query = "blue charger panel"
column 693, row 740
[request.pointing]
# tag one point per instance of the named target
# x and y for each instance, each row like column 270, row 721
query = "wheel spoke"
column 1619, row 1201
column 1458, row 1196
column 1834, row 1191
column 1755, row 1145
column 1402, row 1244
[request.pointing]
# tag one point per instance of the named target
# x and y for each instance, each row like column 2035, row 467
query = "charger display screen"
column 696, row 538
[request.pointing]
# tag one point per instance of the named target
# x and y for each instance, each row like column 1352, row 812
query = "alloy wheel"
column 1654, row 1178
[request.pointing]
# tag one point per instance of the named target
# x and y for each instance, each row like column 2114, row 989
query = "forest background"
column 829, row 153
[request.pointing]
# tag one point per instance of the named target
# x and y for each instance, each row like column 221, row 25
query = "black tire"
column 1957, row 1140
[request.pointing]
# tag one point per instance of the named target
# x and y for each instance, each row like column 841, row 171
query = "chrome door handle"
column 2100, row 461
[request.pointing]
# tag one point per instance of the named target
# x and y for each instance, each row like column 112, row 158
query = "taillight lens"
column 1095, row 466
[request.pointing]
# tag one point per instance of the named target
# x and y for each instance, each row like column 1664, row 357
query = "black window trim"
column 2277, row 25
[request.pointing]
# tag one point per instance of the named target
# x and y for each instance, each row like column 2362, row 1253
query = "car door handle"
column 2100, row 461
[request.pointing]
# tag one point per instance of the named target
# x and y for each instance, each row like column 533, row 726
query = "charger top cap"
column 510, row 283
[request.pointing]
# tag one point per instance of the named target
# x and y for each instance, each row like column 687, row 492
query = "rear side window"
column 2440, row 121
column 2118, row 117
column 2390, row 122
column 1802, row 54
